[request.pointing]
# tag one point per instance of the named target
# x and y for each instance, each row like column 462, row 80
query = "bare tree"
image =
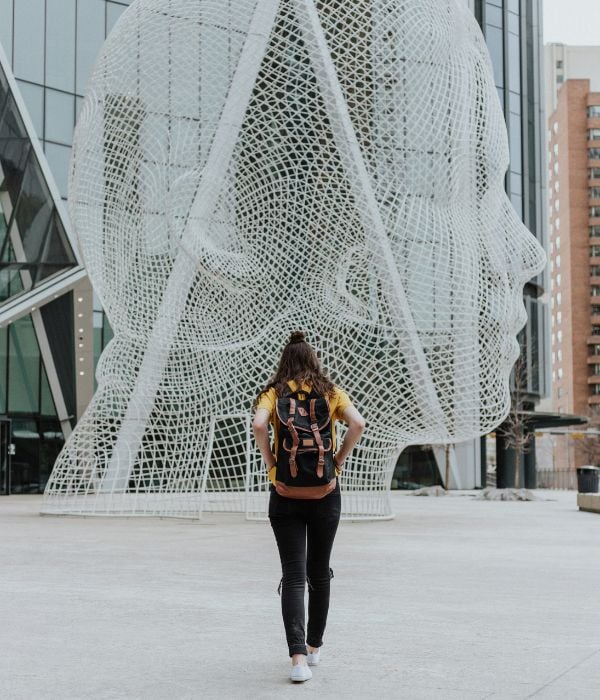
column 514, row 428
column 590, row 444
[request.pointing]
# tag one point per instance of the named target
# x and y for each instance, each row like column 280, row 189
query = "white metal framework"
column 246, row 167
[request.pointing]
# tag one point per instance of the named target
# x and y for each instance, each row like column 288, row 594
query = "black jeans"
column 304, row 530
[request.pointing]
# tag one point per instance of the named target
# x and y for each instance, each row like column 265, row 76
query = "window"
column 60, row 116
column 596, row 349
column 91, row 17
column 558, row 278
column 60, row 44
column 593, row 111
column 594, row 173
column 595, row 251
column 593, row 134
column 559, row 355
column 559, row 64
column 557, row 243
column 558, row 298
column 595, row 212
column 556, row 167
column 551, row 247
column 553, row 357
column 594, row 270
column 560, row 79
column 594, row 192
column 594, row 231
column 555, row 127
column 557, row 205
column 595, row 309
column 28, row 61
column 596, row 388
column 559, row 317
column 58, row 159
column 595, row 290
column 560, row 373
column 559, row 336
column 593, row 154
column 596, row 368
column 557, row 186
column 595, row 329
column 557, row 223
column 553, row 376
column 557, row 259
column 34, row 99
column 555, row 149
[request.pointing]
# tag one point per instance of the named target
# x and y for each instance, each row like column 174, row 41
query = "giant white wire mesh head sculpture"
column 244, row 167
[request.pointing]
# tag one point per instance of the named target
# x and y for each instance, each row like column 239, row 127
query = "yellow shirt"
column 338, row 403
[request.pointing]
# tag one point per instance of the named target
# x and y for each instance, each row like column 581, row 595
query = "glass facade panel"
column 55, row 250
column 58, row 158
column 91, row 20
column 6, row 26
column 14, row 150
column 113, row 12
column 33, row 212
column 29, row 20
column 60, row 44
column 495, row 42
column 34, row 100
column 60, row 116
column 24, row 367
column 514, row 59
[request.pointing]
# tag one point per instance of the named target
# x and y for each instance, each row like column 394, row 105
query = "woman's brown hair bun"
column 297, row 337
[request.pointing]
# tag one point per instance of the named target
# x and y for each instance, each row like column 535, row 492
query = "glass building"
column 48, row 354
column 513, row 32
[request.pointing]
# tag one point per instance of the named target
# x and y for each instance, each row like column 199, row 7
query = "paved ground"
column 454, row 599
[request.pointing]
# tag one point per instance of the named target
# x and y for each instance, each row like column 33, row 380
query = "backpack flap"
column 305, row 454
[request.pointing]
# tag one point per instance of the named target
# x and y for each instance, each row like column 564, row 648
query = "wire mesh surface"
column 242, row 168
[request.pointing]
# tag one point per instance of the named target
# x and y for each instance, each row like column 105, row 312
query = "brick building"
column 574, row 200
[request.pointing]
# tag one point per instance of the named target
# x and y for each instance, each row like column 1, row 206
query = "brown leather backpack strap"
column 314, row 426
column 294, row 450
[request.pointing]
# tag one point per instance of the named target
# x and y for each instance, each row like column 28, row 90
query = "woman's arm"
column 260, row 427
column 356, row 424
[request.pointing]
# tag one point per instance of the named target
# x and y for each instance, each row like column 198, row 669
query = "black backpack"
column 305, row 447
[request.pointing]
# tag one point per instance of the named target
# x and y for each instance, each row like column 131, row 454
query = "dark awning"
column 538, row 419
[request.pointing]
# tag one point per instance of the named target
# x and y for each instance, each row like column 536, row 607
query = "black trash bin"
column 588, row 479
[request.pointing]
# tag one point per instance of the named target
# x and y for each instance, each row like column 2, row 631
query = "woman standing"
column 304, row 525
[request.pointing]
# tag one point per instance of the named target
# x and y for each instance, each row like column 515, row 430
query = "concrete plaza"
column 455, row 598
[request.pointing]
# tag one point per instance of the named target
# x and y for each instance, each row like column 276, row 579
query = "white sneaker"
column 313, row 659
column 300, row 672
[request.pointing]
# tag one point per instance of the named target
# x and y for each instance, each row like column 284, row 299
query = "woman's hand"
column 356, row 424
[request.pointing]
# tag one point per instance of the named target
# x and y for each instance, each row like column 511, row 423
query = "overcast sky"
column 572, row 21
